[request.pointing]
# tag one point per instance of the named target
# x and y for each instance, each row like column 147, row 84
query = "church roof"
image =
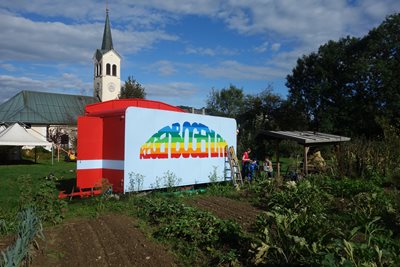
column 44, row 108
column 107, row 43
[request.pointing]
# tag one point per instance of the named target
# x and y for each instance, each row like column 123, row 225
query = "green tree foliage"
column 132, row 89
column 225, row 102
column 288, row 118
column 253, row 113
column 349, row 85
column 258, row 114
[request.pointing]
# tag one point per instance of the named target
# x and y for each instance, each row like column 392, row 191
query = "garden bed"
column 110, row 240
column 239, row 211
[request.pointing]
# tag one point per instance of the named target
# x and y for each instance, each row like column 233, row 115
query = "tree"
column 225, row 102
column 319, row 85
column 349, row 85
column 253, row 113
column 132, row 89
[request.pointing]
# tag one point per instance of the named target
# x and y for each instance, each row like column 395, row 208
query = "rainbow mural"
column 194, row 140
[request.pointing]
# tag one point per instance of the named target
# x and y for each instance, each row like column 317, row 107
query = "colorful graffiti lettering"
column 191, row 140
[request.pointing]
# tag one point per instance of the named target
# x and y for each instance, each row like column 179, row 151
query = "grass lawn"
column 9, row 174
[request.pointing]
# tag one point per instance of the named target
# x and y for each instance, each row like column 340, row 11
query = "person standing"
column 267, row 167
column 246, row 163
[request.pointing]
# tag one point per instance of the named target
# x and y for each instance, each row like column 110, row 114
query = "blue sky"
column 178, row 50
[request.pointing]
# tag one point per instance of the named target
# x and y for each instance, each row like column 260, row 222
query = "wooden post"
column 35, row 154
column 339, row 162
column 278, row 167
column 305, row 163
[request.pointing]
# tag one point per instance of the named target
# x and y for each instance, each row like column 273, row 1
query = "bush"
column 328, row 222
column 41, row 153
column 44, row 198
column 368, row 158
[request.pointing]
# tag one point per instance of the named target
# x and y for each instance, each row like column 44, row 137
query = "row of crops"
column 319, row 221
column 37, row 205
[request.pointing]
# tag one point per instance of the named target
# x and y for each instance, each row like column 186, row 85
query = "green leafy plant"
column 179, row 223
column 171, row 180
column 304, row 224
column 213, row 176
column 29, row 227
column 135, row 182
column 45, row 200
column 8, row 223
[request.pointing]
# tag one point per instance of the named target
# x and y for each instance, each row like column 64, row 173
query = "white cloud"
column 164, row 67
column 265, row 46
column 378, row 9
column 233, row 70
column 187, row 7
column 310, row 22
column 275, row 47
column 261, row 48
column 41, row 41
column 68, row 9
column 56, row 41
column 8, row 67
column 176, row 93
column 206, row 51
column 180, row 90
column 230, row 70
column 132, row 42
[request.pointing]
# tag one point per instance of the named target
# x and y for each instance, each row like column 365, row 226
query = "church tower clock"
column 107, row 62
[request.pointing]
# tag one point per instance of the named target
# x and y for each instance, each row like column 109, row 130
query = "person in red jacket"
column 246, row 163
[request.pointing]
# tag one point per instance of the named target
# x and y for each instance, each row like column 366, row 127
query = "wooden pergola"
column 305, row 138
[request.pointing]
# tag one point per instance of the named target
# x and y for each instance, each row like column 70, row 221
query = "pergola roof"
column 306, row 137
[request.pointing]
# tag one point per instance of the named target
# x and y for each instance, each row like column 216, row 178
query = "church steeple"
column 107, row 44
column 107, row 62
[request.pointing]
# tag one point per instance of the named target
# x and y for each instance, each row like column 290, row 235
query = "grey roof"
column 44, row 108
column 306, row 137
column 107, row 43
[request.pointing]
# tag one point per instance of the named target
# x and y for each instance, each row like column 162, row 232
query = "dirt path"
column 111, row 240
column 225, row 208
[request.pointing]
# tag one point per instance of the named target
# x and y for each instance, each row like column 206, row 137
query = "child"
column 267, row 167
column 253, row 167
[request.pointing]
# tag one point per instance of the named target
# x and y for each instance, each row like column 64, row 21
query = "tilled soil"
column 116, row 240
column 110, row 240
column 5, row 242
column 225, row 208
